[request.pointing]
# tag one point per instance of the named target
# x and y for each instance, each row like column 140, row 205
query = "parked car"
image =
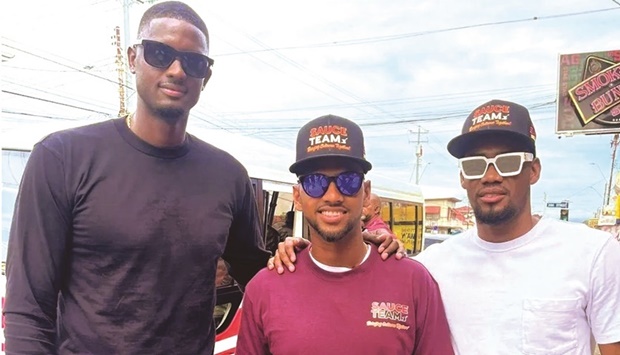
column 433, row 238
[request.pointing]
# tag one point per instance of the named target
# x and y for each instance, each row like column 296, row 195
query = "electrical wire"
column 64, row 65
column 54, row 102
column 90, row 102
column 421, row 33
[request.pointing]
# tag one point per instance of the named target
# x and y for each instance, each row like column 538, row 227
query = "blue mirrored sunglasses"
column 348, row 183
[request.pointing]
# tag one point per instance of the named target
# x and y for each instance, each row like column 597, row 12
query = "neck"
column 509, row 230
column 344, row 253
column 156, row 131
column 369, row 219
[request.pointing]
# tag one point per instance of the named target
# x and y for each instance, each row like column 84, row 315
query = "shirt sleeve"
column 432, row 332
column 604, row 302
column 251, row 339
column 245, row 251
column 36, row 255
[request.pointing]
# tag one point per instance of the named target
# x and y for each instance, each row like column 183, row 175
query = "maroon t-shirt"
column 380, row 307
column 376, row 223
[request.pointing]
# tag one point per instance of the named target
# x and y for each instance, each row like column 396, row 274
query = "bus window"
column 405, row 220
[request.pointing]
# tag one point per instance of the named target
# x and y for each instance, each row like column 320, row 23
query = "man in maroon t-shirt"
column 371, row 217
column 343, row 299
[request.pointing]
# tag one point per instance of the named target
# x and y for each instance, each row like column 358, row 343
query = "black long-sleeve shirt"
column 114, row 244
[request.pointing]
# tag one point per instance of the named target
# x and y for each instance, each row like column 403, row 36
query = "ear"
column 296, row 198
column 535, row 170
column 131, row 59
column 366, row 187
column 462, row 179
column 206, row 80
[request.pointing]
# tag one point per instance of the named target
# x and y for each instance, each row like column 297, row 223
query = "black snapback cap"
column 495, row 117
column 329, row 136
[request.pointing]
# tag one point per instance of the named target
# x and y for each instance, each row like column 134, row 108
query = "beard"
column 494, row 217
column 333, row 237
column 170, row 115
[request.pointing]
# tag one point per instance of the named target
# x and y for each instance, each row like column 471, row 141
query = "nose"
column 332, row 194
column 176, row 69
column 491, row 175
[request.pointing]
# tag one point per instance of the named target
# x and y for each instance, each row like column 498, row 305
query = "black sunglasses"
column 160, row 55
column 348, row 183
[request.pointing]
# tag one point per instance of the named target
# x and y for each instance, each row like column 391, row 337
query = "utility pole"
column 604, row 198
column 125, row 77
column 120, row 68
column 126, row 44
column 614, row 146
column 419, row 152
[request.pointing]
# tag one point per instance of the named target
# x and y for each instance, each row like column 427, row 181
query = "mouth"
column 332, row 216
column 172, row 90
column 491, row 196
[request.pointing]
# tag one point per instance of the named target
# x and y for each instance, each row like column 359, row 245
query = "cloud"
column 280, row 63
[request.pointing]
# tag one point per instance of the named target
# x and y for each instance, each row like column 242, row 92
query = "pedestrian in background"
column 286, row 229
column 371, row 217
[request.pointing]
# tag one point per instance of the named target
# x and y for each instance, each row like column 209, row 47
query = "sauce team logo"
column 328, row 137
column 491, row 115
column 389, row 315
column 589, row 93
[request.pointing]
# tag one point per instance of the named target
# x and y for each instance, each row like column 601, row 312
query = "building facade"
column 443, row 216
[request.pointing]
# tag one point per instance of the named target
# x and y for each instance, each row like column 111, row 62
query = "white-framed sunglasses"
column 506, row 165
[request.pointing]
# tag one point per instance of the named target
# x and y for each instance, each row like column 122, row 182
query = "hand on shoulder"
column 285, row 254
column 386, row 242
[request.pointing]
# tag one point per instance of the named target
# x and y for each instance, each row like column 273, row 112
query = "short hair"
column 173, row 9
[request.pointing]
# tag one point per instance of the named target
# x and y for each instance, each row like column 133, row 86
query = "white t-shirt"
column 546, row 292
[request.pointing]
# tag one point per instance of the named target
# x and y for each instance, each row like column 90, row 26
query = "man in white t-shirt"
column 516, row 284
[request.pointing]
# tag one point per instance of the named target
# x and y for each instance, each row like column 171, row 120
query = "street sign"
column 563, row 204
column 607, row 220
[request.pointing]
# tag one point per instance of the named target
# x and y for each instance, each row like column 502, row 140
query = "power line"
column 418, row 99
column 316, row 76
column 62, row 64
column 289, row 61
column 38, row 115
column 59, row 95
column 276, row 124
column 54, row 102
column 422, row 33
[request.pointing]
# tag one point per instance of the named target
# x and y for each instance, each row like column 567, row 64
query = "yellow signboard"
column 405, row 233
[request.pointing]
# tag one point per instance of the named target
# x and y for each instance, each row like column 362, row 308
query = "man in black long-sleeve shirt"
column 119, row 225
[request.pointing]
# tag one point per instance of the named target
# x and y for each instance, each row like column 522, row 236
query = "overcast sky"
column 396, row 67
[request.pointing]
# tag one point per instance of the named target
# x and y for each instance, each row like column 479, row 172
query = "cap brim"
column 459, row 146
column 310, row 164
